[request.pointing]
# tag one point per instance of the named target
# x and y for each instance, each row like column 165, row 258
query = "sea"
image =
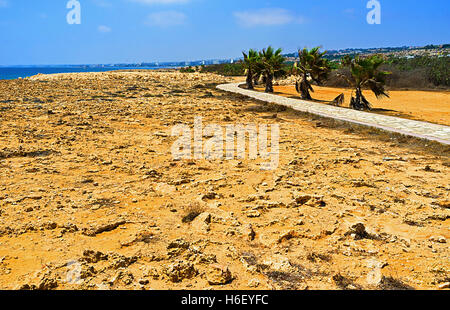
column 10, row 73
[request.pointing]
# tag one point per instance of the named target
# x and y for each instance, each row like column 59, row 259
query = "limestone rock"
column 218, row 275
column 357, row 231
column 202, row 222
column 179, row 271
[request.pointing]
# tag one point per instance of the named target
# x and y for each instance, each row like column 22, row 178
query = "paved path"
column 407, row 127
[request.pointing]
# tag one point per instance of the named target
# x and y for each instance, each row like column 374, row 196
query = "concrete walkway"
column 423, row 130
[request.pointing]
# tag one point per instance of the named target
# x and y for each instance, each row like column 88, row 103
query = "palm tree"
column 251, row 64
column 257, row 74
column 271, row 63
column 310, row 67
column 365, row 73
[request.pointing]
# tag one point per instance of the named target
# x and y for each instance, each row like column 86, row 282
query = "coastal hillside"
column 88, row 178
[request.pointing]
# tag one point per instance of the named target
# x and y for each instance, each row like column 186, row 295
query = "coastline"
column 17, row 72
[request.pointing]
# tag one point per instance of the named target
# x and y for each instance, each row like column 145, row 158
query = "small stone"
column 90, row 256
column 50, row 225
column 444, row 286
column 253, row 283
column 279, row 263
column 288, row 236
column 177, row 247
column 316, row 201
column 179, row 271
column 144, row 281
column 301, row 199
column 253, row 213
column 218, row 275
column 438, row 239
column 444, row 204
column 209, row 196
column 249, row 232
column 357, row 231
column 202, row 222
column 47, row 284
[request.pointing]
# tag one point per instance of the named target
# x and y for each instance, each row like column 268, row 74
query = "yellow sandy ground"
column 430, row 106
column 87, row 175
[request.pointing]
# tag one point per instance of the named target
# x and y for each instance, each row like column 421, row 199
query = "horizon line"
column 210, row 59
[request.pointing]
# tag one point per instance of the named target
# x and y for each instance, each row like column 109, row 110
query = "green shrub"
column 436, row 68
column 422, row 72
column 235, row 69
column 187, row 70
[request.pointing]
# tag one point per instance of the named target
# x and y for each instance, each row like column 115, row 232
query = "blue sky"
column 113, row 31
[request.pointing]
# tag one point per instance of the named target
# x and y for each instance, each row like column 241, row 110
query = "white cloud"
column 267, row 17
column 103, row 29
column 160, row 1
column 166, row 19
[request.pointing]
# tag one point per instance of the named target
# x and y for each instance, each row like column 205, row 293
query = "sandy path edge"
column 418, row 129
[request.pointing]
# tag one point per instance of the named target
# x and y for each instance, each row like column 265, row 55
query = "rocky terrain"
column 91, row 198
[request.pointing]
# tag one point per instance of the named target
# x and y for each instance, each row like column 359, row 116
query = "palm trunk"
column 250, row 80
column 358, row 99
column 360, row 102
column 306, row 95
column 269, row 83
column 303, row 88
